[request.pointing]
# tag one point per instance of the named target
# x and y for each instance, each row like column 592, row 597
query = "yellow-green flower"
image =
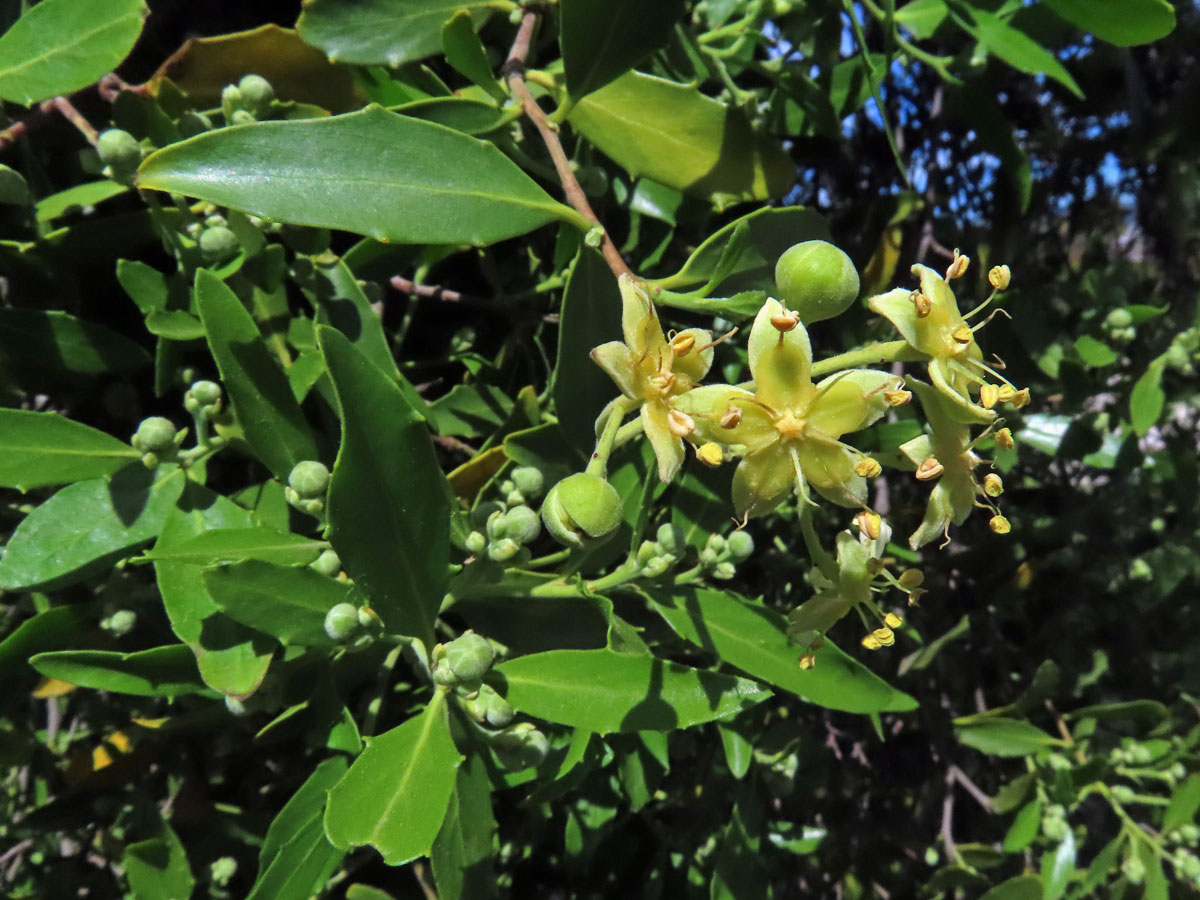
column 929, row 319
column 655, row 372
column 789, row 429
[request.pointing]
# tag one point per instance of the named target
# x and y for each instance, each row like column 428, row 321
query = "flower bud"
column 867, row 467
column 646, row 552
column 469, row 657
column 670, row 539
column 520, row 746
column 218, row 244
column 1122, row 793
column 581, row 510
column 497, row 526
column 528, row 481
column 328, row 563
column 491, row 708
column 257, row 94
column 993, row 485
column 715, row 544
column 155, row 435
column 816, row 281
column 476, row 543
column 368, row 618
column 724, row 570
column 1118, row 318
column 121, row 622
column 522, row 524
column 999, row 277
column 120, row 151
column 740, row 545
column 341, row 621
column 911, row 578
column 929, row 470
column 503, row 550
column 656, row 566
column 309, row 479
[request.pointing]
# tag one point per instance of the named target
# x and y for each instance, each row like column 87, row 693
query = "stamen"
column 731, row 417
column 993, row 485
column 999, row 524
column 999, row 277
column 867, row 467
column 922, row 303
column 897, row 397
column 958, row 267
column 784, row 322
column 929, row 470
column 682, row 344
column 719, row 340
column 710, row 454
column 680, row 423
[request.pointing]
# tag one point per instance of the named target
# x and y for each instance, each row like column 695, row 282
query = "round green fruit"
column 582, row 510
column 816, row 280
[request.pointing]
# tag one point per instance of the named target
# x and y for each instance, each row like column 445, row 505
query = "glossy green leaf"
column 234, row 545
column 1017, row 48
column 1022, row 887
column 739, row 870
column 76, row 198
column 159, row 672
column 342, row 304
column 674, row 134
column 1156, row 885
column 462, row 853
column 296, row 858
column 396, row 794
column 39, row 449
column 1184, row 803
column 232, row 658
column 58, row 341
column 372, row 172
column 1147, row 399
column 999, row 736
column 174, row 324
column 604, row 691
column 389, row 504
column 86, row 527
column 602, row 39
column 381, row 32
column 158, row 868
column 1025, row 827
column 754, row 639
column 285, row 602
column 464, row 51
column 591, row 314
column 460, row 113
column 60, row 46
column 1057, row 866
column 271, row 420
column 1125, row 23
column 1145, row 714
column 1101, row 869
column 768, row 232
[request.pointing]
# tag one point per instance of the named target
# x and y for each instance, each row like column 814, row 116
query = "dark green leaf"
column 1146, row 714
column 1017, row 48
column 464, row 51
column 460, row 113
column 158, row 868
column 344, row 306
column 296, row 858
column 13, row 188
column 39, row 449
column 234, row 545
column 267, row 410
column 999, row 736
column 604, row 691
column 175, row 324
column 74, row 199
column 919, row 659
column 462, row 853
column 602, row 39
column 58, row 341
column 739, row 307
column 739, row 752
column 396, row 794
column 160, row 672
column 381, row 32
column 1125, row 23
column 677, row 136
column 1147, row 399
column 389, row 504
column 87, row 526
column 754, row 639
column 287, row 603
column 1057, row 866
column 1022, row 887
column 60, row 46
column 145, row 285
column 372, row 172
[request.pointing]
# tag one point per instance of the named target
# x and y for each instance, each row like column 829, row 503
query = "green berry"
column 528, row 481
column 670, row 539
column 581, row 510
column 816, row 280
column 740, row 545
column 724, row 570
column 207, row 392
column 341, row 621
column 217, row 244
column 120, row 151
column 522, row 524
column 309, row 479
column 476, row 543
column 503, row 550
column 155, row 435
column 328, row 563
column 257, row 94
column 469, row 656
column 520, row 746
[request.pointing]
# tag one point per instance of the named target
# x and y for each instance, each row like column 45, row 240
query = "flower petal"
column 639, row 322
column 707, row 405
column 616, row 360
column 668, row 448
column 830, row 469
column 953, row 387
column 763, row 479
column 899, row 310
column 781, row 362
column 837, row 408
column 944, row 310
column 873, row 383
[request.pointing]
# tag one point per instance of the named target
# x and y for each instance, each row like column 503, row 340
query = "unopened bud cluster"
column 505, row 527
column 307, row 485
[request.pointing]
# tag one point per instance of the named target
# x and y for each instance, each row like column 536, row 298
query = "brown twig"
column 75, row 117
column 431, row 291
column 514, row 71
column 42, row 113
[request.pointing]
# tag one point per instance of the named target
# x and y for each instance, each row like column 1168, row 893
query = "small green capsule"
column 476, row 543
column 218, row 244
column 309, row 479
column 257, row 94
column 740, row 545
column 155, row 435
column 670, row 539
column 469, row 656
column 207, row 392
column 528, row 480
column 120, row 151
column 522, row 524
column 328, row 563
column 816, row 280
column 582, row 510
column 341, row 621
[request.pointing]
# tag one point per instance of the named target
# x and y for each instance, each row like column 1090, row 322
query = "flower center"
column 790, row 426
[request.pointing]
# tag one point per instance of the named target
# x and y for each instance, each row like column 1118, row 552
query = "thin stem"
column 870, row 355
column 514, row 70
column 598, row 464
column 75, row 117
column 819, row 555
column 861, row 40
column 548, row 560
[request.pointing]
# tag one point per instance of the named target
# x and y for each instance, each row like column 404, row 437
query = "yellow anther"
column 871, row 642
column 867, row 467
column 911, row 578
column 1006, row 392
column 662, row 382
column 962, row 334
column 989, row 396
column 1004, row 439
column 680, row 423
column 885, row 636
column 891, row 620
column 929, row 470
column 993, row 486
column 999, row 277
column 682, row 344
column 710, row 454
column 958, row 268
column 807, row 661
column 898, row 397
column 1020, row 398
column 923, row 304
column 869, row 523
column 999, row 525
column 785, row 321
column 731, row 417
